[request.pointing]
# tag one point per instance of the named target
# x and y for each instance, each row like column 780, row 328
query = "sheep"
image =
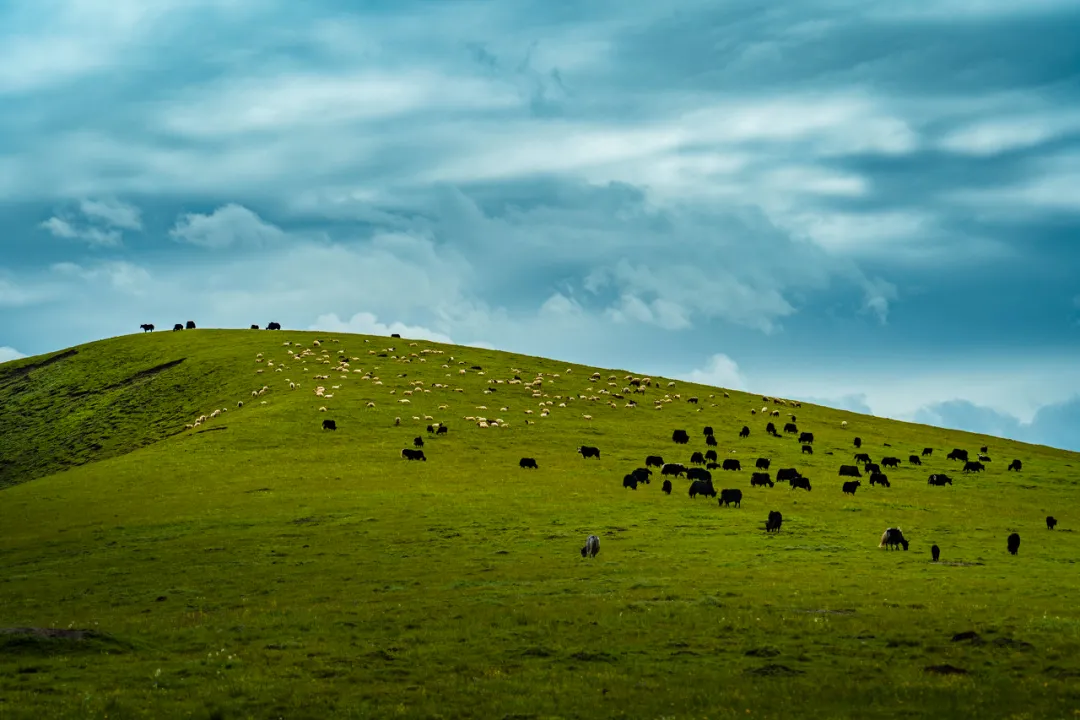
column 397, row 421
column 292, row 386
column 240, row 404
column 322, row 409
column 371, row 404
column 843, row 423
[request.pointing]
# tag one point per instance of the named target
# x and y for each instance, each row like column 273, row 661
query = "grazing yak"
column 958, row 454
column 147, row 327
column 1051, row 522
column 731, row 496
column 870, row 468
column 762, row 463
column 939, row 480
column 710, row 441
column 879, row 479
column 712, row 465
column 524, row 463
column 431, row 429
column 850, row 471
column 858, row 442
column 666, row 487
column 984, row 458
column 891, row 538
column 410, row 454
column 809, row 450
column 329, row 425
column 760, row 479
column 914, row 460
column 702, row 487
column 791, row 428
column 396, row 335
column 927, row 451
column 643, row 475
column 851, row 487
column 1016, row 465
column 862, row 457
column 800, row 482
column 676, row 469
column 629, row 481
column 786, row 474
column 935, row 552
column 710, row 455
column 745, row 432
column 654, row 461
column 708, row 430
column 273, row 326
column 418, row 441
column 177, row 326
column 890, row 462
column 731, row 464
column 254, row 327
column 680, row 437
column 971, row 466
column 190, row 325
column 984, row 448
column 770, row 429
column 806, row 437
column 774, row 522
column 441, row 430
column 1014, row 543
column 592, row 547
column 697, row 459
column 588, row 452
column 697, row 473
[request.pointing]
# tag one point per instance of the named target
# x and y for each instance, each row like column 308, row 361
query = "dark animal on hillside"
column 592, row 547
column 588, row 452
column 1014, row 543
column 774, row 522
column 939, row 479
column 528, row 463
column 984, row 458
column 914, row 460
column 147, row 327
column 654, row 461
column 629, row 481
column 441, row 430
column 849, row 471
column 958, row 454
column 329, row 425
column 177, row 326
column 710, row 441
column 731, row 464
column 710, row 455
column 731, row 497
column 418, row 442
column 692, row 400
column 770, row 429
column 862, row 458
column 254, row 327
column 793, row 418
column 984, row 449
column 1016, row 465
column 643, row 475
column 697, row 458
column 190, row 325
column 760, row 479
column 786, row 474
column 273, row 326
column 666, row 487
column 807, row 438
column 712, row 466
column 409, row 454
column 886, row 444
column 800, row 482
column 851, row 487
column 791, row 428
column 891, row 538
column 879, row 479
column 702, row 487
column 395, row 335
column 675, row 469
column 971, row 466
column 1051, row 522
column 745, row 432
column 858, row 442
column 696, row 473
column 762, row 463
column 708, row 430
column 431, row 429
column 680, row 437
column 927, row 451
column 935, row 552
column 808, row 449
column 871, row 468
column 890, row 462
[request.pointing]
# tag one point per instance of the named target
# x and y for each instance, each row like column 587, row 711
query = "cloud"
column 7, row 354
column 720, row 371
column 1056, row 424
column 94, row 236
column 229, row 225
column 855, row 403
column 366, row 323
column 105, row 217
column 113, row 213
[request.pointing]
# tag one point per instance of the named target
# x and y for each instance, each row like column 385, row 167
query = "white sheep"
column 397, row 421
column 843, row 423
column 240, row 404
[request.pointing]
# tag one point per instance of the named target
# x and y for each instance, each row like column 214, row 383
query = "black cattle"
column 710, row 441
column 879, row 479
column 273, row 326
column 413, row 454
column 1014, row 543
column 770, row 429
column 666, row 487
column 654, row 461
column 983, row 449
column 731, row 497
column 914, row 460
column 958, row 454
column 528, row 463
column 710, row 455
column 697, row 458
column 629, row 481
column 431, row 429
column 190, row 325
column 806, row 438
column 984, row 458
column 731, row 464
column 791, row 428
column 1051, row 522
column 808, row 449
column 927, row 451
column 890, row 462
column 675, row 469
column 692, row 400
column 849, row 471
column 786, row 474
column 680, row 437
column 177, row 326
column 698, row 474
column 395, row 335
column 871, row 468
column 935, row 552
column 473, row 367
column 1016, row 465
column 702, row 487
column 886, row 444
column 851, row 487
column 774, row 522
column 800, row 482
column 971, row 466
column 592, row 547
column 762, row 463
column 862, row 458
column 891, row 538
column 441, row 430
column 858, row 442
column 329, row 425
column 418, row 442
column 147, row 327
column 760, row 479
column 588, row 452
column 708, row 430
column 643, row 475
column 745, row 432
column 939, row 480
column 254, row 327
column 712, row 466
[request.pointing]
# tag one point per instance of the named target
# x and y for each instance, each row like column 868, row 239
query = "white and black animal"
column 592, row 547
column 891, row 538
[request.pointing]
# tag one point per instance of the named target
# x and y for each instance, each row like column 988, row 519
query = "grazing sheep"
column 843, row 423
column 240, row 404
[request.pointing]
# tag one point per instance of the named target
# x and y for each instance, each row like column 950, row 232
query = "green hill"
column 256, row 565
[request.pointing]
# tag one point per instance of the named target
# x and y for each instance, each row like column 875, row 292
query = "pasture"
column 260, row 566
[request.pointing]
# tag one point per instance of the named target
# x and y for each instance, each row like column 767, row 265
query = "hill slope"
column 258, row 564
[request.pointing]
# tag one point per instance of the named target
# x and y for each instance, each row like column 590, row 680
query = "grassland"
column 259, row 566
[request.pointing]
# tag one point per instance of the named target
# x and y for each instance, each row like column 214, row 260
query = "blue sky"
column 872, row 206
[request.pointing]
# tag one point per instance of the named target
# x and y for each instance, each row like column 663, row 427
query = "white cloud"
column 720, row 371
column 113, row 213
column 366, row 323
column 7, row 354
column 560, row 305
column 119, row 275
column 229, row 225
column 94, row 236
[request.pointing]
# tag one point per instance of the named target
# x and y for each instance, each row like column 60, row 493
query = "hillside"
column 256, row 564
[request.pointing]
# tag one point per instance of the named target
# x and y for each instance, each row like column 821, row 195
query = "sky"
column 870, row 205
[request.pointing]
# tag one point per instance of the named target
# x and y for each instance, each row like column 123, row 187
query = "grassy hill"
column 259, row 566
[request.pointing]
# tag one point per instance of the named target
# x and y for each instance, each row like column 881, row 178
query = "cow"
column 675, row 469
column 770, row 429
column 1014, row 543
column 762, row 463
column 666, row 487
column 914, row 460
column 654, row 461
column 808, row 449
column 774, row 522
column 791, row 428
column 190, row 325
column 879, row 479
column 890, row 462
column 958, row 454
column 441, row 430
column 851, row 487
column 731, row 496
column 418, row 442
column 710, row 455
column 413, row 454
column 984, row 458
column 971, row 466
column 731, row 464
column 588, row 452
column 800, row 482
column 396, row 335
column 431, row 429
column 871, row 468
column 702, row 487
column 862, row 458
column 1016, row 465
column 891, row 538
column 984, row 449
column 692, row 400
column 927, row 451
column 708, row 430
column 935, row 552
column 147, row 327
column 786, row 474
column 745, row 432
column 710, row 441
column 858, row 442
column 680, row 437
column 939, row 480
column 697, row 458
column 273, row 326
column 592, row 547
column 524, row 463
column 329, row 425
column 1051, row 522
column 712, row 466
column 642, row 475
column 849, row 471
column 629, row 481
column 254, row 326
column 177, row 326
column 760, row 479
column 807, row 437
column 698, row 474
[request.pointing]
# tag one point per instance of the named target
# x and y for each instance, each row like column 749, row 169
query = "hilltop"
column 327, row 575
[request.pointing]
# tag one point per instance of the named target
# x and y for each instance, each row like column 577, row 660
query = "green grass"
column 266, row 568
